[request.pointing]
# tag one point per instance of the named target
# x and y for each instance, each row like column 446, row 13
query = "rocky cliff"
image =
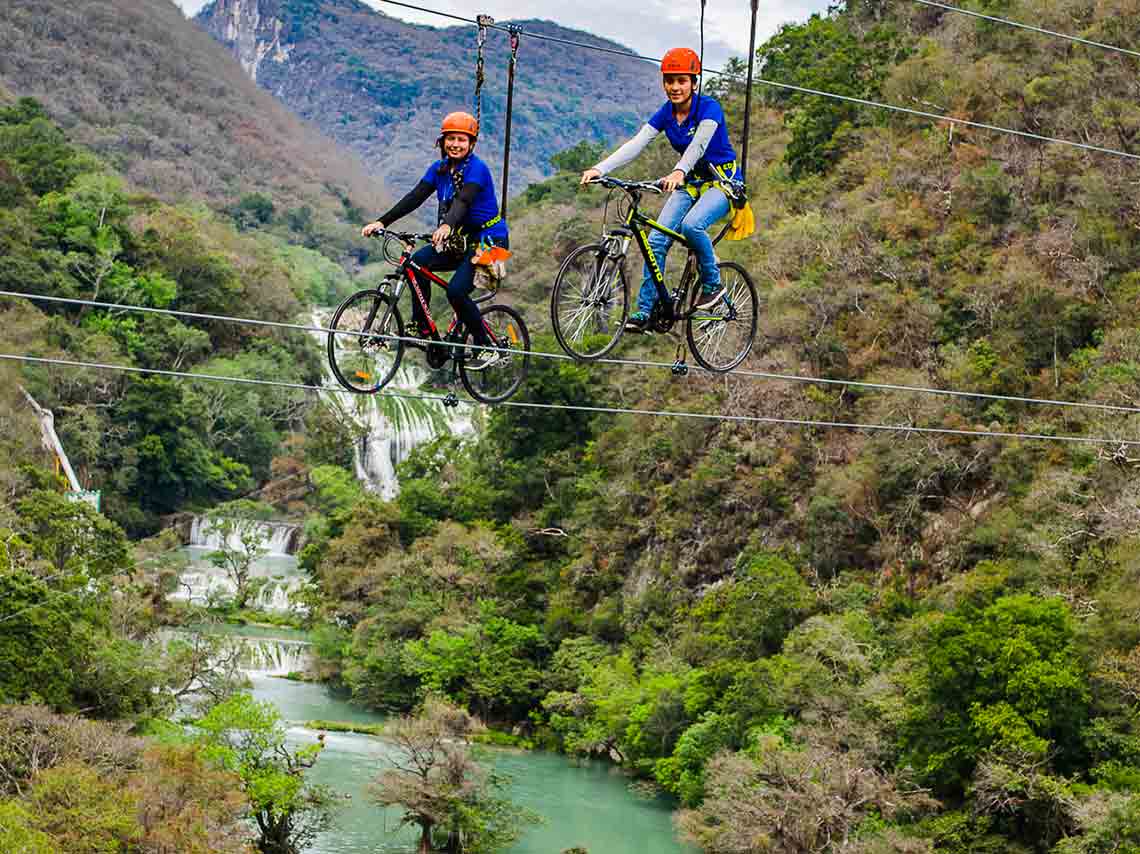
column 380, row 85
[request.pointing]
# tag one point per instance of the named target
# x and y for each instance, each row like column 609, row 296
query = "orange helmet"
column 460, row 122
column 681, row 60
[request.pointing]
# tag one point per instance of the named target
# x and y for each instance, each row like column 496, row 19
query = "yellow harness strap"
column 743, row 220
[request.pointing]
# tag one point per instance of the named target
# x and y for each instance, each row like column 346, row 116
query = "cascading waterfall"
column 280, row 537
column 392, row 426
column 275, row 572
column 274, row 656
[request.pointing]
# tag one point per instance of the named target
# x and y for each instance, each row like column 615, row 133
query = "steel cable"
column 541, row 354
column 611, row 410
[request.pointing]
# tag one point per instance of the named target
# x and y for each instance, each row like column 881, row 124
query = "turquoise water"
column 587, row 804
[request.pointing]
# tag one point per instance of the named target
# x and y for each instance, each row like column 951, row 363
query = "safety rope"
column 515, row 35
column 483, row 22
column 701, row 79
column 748, row 93
column 541, row 354
column 617, row 410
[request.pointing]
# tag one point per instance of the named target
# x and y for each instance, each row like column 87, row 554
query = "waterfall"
column 201, row 582
column 274, row 656
column 280, row 537
column 259, row 656
column 393, row 426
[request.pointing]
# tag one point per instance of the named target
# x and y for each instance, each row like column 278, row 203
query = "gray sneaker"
column 711, row 295
column 482, row 360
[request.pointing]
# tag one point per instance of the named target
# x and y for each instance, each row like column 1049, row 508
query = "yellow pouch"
column 743, row 223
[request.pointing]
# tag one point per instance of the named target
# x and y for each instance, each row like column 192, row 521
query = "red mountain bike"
column 369, row 341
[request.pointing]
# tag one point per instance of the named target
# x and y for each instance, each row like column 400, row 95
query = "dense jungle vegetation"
column 817, row 641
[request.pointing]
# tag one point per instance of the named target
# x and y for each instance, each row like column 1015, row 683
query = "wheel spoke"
column 364, row 362
column 722, row 336
column 589, row 304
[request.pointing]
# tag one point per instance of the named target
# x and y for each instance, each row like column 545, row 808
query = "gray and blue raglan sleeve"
column 629, row 150
column 697, row 146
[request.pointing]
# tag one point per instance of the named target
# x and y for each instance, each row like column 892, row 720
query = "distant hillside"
column 380, row 86
column 151, row 93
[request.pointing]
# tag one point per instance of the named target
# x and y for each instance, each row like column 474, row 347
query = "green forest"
column 814, row 641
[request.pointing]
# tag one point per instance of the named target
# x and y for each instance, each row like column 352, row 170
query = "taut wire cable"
column 542, row 354
column 613, row 410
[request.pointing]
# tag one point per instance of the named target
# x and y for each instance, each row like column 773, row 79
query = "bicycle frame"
column 410, row 269
column 639, row 225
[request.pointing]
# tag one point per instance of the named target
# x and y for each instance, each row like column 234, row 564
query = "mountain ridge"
column 147, row 91
column 375, row 83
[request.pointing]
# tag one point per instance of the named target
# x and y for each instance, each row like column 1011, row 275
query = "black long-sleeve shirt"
column 422, row 192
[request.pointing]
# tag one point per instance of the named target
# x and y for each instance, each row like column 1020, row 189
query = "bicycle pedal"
column 680, row 369
column 451, row 400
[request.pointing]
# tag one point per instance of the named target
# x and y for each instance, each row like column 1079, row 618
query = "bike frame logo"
column 643, row 242
column 419, row 294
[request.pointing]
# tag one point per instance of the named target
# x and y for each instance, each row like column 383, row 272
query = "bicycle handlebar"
column 606, row 181
column 405, row 236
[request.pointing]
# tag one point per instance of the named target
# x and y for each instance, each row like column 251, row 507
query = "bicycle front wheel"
column 498, row 381
column 721, row 337
column 362, row 353
column 590, row 303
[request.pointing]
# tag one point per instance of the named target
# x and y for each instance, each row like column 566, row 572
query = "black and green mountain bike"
column 590, row 303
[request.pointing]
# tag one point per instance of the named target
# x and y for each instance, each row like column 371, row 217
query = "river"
column 583, row 803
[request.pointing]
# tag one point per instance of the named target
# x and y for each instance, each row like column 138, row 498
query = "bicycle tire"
column 573, row 330
column 706, row 331
column 365, row 364
column 498, row 382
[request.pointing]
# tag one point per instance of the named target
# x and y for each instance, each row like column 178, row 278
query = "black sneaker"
column 710, row 297
column 638, row 322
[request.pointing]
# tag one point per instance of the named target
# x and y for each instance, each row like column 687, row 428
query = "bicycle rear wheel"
column 590, row 302
column 363, row 359
column 720, row 338
column 502, row 379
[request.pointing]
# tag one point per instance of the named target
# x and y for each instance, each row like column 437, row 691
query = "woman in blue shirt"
column 695, row 126
column 467, row 206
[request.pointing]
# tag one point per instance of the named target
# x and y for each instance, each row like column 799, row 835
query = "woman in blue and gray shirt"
column 695, row 126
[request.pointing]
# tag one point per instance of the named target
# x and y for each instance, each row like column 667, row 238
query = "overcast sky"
column 649, row 27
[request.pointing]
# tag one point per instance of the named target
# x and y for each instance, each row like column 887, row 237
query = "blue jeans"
column 690, row 218
column 459, row 288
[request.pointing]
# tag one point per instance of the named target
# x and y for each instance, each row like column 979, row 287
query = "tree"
column 187, row 806
column 83, row 812
column 1003, row 678
column 38, row 647
column 247, row 737
column 823, row 53
column 240, row 527
column 800, row 799
column 748, row 615
column 18, row 831
column 205, row 667
column 491, row 664
column 72, row 536
column 435, row 777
